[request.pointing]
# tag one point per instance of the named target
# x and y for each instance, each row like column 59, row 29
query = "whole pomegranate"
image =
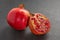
column 17, row 17
column 39, row 24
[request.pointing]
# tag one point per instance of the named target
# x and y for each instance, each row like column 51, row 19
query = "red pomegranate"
column 17, row 17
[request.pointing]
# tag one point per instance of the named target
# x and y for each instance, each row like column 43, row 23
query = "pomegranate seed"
column 42, row 30
column 46, row 23
column 32, row 18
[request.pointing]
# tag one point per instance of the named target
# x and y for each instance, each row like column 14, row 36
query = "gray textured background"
column 50, row 8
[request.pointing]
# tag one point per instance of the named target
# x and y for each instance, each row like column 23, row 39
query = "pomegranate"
column 39, row 24
column 17, row 17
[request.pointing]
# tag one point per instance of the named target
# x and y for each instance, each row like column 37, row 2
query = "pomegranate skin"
column 17, row 18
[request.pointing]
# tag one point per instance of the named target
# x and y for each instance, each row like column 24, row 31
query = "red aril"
column 17, row 17
column 39, row 24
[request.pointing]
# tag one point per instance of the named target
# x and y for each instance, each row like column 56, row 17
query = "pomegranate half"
column 39, row 24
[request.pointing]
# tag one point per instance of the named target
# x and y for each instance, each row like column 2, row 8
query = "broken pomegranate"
column 39, row 24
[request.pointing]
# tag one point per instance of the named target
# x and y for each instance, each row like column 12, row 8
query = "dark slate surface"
column 50, row 8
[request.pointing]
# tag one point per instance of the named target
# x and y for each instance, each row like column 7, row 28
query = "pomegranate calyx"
column 21, row 6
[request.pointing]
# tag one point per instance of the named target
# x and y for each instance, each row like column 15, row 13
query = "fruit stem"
column 21, row 6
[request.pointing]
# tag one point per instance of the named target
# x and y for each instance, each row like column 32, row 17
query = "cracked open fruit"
column 39, row 24
column 17, row 17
